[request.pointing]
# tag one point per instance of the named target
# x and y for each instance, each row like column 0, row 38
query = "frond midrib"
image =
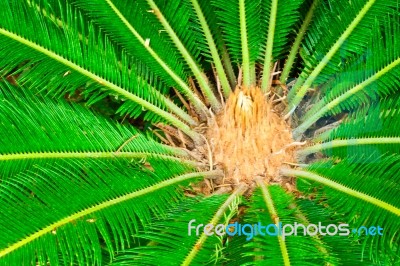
column 213, row 49
column 93, row 155
column 197, row 72
column 184, row 87
column 303, row 88
column 167, row 116
column 297, row 42
column 172, row 106
column 246, row 64
column 341, row 188
column 332, row 104
column 269, row 47
column 103, row 205
column 275, row 219
column 336, row 143
column 217, row 216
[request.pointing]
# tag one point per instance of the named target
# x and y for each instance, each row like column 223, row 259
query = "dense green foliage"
column 85, row 178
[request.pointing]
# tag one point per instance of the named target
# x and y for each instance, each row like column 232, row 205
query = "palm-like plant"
column 224, row 110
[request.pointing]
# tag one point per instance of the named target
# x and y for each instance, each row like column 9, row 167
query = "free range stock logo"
column 284, row 230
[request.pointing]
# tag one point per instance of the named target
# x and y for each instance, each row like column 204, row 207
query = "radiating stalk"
column 334, row 103
column 40, row 232
column 228, row 67
column 200, row 76
column 126, row 94
column 269, row 48
column 198, row 105
column 320, row 244
column 184, row 88
column 247, row 69
column 226, row 88
column 327, row 58
column 218, row 215
column 178, row 110
column 275, row 218
column 86, row 155
column 296, row 44
column 341, row 188
column 348, row 142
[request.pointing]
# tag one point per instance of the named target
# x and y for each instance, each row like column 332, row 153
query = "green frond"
column 275, row 205
column 64, row 63
column 372, row 131
column 77, row 188
column 283, row 16
column 210, row 14
column 179, row 244
column 74, row 210
column 342, row 250
column 227, row 209
column 272, row 205
column 273, row 12
column 294, row 50
column 212, row 46
column 287, row 19
column 134, row 29
column 181, row 17
column 329, row 44
column 365, row 191
column 36, row 130
column 240, row 22
column 165, row 20
column 170, row 236
column 367, row 78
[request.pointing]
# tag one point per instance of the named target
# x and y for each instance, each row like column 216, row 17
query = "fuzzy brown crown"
column 250, row 139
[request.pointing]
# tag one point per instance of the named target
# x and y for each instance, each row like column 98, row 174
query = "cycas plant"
column 122, row 121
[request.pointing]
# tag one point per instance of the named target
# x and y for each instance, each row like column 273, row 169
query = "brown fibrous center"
column 250, row 139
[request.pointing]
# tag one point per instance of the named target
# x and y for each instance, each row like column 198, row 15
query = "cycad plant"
column 128, row 126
